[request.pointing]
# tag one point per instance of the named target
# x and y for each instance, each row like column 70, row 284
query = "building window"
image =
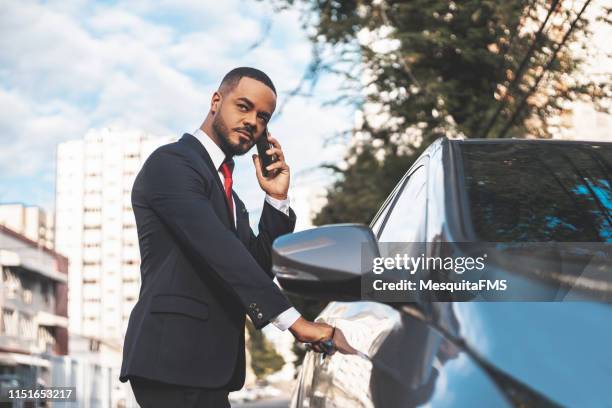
column 46, row 292
column 26, row 326
column 94, row 345
column 12, row 284
column 45, row 339
column 9, row 322
column 26, row 296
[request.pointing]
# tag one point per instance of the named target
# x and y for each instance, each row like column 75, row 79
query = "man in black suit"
column 202, row 267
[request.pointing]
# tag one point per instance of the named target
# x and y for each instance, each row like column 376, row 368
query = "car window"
column 379, row 219
column 406, row 222
column 381, row 215
column 528, row 192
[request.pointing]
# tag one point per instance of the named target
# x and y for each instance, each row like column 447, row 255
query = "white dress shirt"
column 284, row 320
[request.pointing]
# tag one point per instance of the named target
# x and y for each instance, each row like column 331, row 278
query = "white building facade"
column 30, row 221
column 96, row 230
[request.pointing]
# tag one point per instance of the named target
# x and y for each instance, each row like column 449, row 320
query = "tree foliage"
column 420, row 69
column 417, row 70
column 264, row 358
column 357, row 195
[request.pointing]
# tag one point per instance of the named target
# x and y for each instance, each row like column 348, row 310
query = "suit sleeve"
column 272, row 224
column 176, row 192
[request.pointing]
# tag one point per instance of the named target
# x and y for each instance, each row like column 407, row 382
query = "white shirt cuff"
column 286, row 319
column 280, row 205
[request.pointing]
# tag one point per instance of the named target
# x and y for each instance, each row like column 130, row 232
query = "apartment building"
column 33, row 309
column 28, row 220
column 96, row 230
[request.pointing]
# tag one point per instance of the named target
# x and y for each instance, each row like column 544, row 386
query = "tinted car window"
column 381, row 215
column 379, row 220
column 406, row 222
column 549, row 191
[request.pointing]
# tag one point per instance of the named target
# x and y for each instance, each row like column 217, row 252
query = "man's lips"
column 244, row 135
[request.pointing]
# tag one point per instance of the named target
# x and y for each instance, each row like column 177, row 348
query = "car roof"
column 526, row 141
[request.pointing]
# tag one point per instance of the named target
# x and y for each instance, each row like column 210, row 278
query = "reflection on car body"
column 465, row 354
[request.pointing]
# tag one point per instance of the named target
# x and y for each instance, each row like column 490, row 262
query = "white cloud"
column 201, row 51
column 115, row 21
column 29, row 133
column 69, row 66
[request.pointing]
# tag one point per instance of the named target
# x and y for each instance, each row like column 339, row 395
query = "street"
column 269, row 403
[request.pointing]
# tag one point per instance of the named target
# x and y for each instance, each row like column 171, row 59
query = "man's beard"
column 223, row 133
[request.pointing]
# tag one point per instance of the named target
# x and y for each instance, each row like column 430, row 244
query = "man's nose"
column 249, row 124
column 251, row 121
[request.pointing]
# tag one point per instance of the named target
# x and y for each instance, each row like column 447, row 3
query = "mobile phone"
column 264, row 158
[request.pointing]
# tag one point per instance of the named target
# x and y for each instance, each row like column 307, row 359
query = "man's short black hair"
column 231, row 79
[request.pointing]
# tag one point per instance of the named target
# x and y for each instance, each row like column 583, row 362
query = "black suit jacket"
column 200, row 274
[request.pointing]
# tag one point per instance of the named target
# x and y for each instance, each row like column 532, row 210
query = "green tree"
column 264, row 358
column 366, row 181
column 309, row 309
column 421, row 69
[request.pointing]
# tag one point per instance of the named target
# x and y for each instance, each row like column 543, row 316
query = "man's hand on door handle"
column 321, row 337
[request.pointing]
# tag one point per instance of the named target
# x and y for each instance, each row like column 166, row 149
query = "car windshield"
column 539, row 192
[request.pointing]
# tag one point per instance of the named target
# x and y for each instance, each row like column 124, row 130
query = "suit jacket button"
column 252, row 305
column 259, row 315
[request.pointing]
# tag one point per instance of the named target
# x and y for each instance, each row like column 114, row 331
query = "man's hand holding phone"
column 276, row 184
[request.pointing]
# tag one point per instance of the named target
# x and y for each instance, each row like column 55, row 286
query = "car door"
column 364, row 323
column 405, row 363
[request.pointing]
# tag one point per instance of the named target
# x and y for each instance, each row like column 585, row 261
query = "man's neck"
column 207, row 128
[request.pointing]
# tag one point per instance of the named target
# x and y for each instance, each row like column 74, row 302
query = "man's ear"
column 215, row 102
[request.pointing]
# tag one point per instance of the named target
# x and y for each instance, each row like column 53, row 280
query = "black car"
column 471, row 353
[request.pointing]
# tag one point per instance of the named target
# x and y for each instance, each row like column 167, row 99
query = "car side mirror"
column 325, row 262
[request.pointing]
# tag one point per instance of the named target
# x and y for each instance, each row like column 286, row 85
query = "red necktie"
column 226, row 168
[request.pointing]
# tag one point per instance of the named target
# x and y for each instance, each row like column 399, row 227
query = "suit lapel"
column 242, row 220
column 195, row 143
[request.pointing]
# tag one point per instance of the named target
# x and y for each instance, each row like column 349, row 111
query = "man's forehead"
column 255, row 91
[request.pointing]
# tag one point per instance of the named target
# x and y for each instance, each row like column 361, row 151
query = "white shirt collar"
column 216, row 154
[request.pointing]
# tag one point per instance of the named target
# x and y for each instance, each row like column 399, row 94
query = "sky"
column 69, row 66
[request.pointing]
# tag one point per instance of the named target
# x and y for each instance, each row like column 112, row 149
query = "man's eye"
column 242, row 107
